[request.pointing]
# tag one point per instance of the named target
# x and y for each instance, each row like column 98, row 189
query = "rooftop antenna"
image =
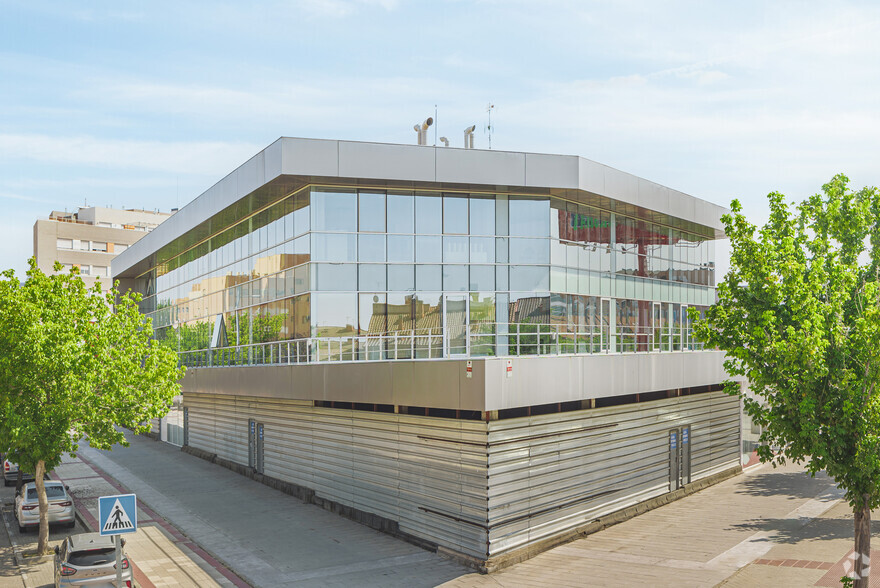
column 489, row 109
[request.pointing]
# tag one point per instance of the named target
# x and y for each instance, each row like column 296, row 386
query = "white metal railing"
column 464, row 341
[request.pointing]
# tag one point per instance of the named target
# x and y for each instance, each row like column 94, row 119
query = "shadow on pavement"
column 793, row 484
column 792, row 531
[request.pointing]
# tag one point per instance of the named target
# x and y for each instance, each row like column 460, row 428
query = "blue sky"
column 147, row 104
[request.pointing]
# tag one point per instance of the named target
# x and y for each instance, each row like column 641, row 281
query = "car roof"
column 90, row 541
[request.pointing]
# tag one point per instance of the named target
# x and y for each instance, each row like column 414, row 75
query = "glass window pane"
column 429, row 277
column 455, row 214
column 301, row 214
column 371, row 211
column 301, row 279
column 400, row 248
column 399, row 309
column 482, row 250
column 529, row 217
column 455, row 249
column 482, row 277
column 334, row 247
column 334, row 211
column 371, row 247
column 501, row 250
column 529, row 251
column 429, row 249
column 501, row 278
column 400, row 213
column 526, row 307
column 334, row 314
column 529, row 278
column 455, row 278
column 335, row 276
column 401, row 277
column 429, row 215
column 371, row 314
column 482, row 215
column 371, row 276
column 303, row 310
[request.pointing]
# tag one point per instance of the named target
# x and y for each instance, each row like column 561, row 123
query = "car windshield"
column 92, row 557
column 51, row 492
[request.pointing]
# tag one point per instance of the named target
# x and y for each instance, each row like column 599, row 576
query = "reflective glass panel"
column 399, row 309
column 371, row 313
column 482, row 250
column 482, row 277
column 455, row 249
column 482, row 215
column 529, row 251
column 334, row 211
column 334, row 314
column 529, row 277
column 455, row 214
column 334, row 247
column 401, row 248
column 371, row 276
column 335, row 276
column 429, row 249
column 429, row 214
column 400, row 213
column 529, row 217
column 371, row 247
column 401, row 277
column 455, row 278
column 429, row 277
column 371, row 211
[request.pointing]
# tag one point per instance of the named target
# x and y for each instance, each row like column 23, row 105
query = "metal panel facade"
column 480, row 489
column 552, row 473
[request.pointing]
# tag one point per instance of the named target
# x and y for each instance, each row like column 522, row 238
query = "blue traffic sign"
column 117, row 514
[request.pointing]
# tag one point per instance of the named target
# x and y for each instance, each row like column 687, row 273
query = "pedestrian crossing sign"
column 117, row 514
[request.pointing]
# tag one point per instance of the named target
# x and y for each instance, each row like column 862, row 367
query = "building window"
column 65, row 244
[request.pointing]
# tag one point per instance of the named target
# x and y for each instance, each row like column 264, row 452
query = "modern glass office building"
column 358, row 316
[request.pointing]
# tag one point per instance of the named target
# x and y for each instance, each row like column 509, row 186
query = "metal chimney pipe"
column 469, row 137
column 422, row 130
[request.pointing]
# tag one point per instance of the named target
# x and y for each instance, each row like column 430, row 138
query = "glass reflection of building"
column 418, row 267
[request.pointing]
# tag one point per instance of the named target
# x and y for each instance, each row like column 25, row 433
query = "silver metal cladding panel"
column 591, row 176
column 475, row 166
column 435, row 384
column 309, row 157
column 552, row 171
column 391, row 162
column 426, row 473
column 552, row 473
column 543, row 380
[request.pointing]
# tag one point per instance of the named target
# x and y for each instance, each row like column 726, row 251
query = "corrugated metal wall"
column 552, row 473
column 429, row 474
column 546, row 474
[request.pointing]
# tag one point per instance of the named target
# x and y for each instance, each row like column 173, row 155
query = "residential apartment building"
column 484, row 351
column 90, row 238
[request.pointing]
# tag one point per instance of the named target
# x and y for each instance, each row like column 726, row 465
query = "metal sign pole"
column 118, row 540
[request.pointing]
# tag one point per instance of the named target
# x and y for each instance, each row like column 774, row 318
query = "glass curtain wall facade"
column 421, row 274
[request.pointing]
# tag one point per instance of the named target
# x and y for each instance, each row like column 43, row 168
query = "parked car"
column 10, row 473
column 27, row 506
column 89, row 559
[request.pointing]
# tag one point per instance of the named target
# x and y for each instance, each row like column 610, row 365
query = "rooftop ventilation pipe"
column 469, row 137
column 445, row 141
column 422, row 130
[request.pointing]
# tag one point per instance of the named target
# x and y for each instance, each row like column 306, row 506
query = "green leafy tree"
column 799, row 316
column 75, row 363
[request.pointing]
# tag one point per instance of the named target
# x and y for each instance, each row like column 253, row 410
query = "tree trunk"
column 43, row 544
column 862, row 555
